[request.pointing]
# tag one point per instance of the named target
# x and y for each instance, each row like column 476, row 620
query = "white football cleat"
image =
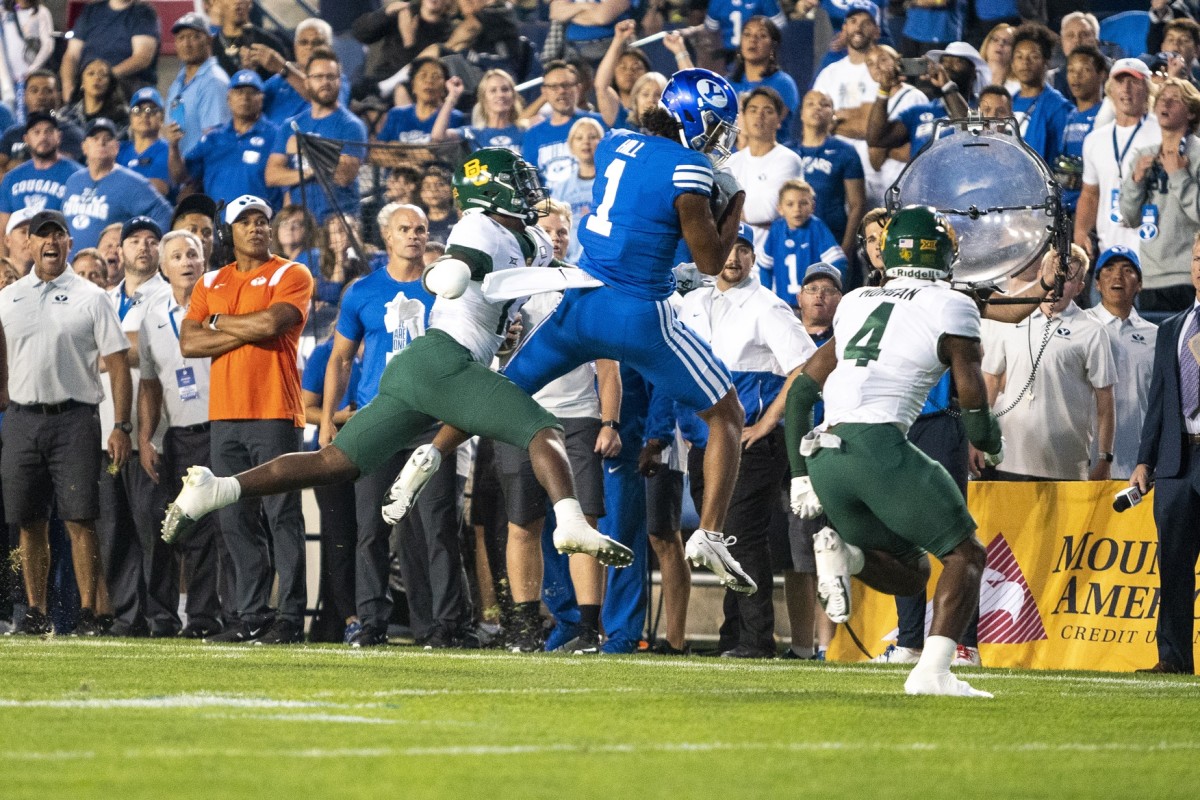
column 966, row 657
column 711, row 549
column 202, row 493
column 580, row 537
column 834, row 557
column 926, row 682
column 895, row 654
column 420, row 467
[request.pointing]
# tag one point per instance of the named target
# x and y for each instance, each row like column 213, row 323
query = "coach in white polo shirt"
column 57, row 327
column 174, row 390
column 1049, row 432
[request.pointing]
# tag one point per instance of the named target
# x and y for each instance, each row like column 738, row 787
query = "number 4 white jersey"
column 887, row 349
column 473, row 321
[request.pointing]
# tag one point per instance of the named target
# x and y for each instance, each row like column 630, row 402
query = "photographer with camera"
column 1159, row 199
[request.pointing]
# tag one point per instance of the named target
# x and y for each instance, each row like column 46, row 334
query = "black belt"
column 200, row 427
column 1192, row 438
column 51, row 408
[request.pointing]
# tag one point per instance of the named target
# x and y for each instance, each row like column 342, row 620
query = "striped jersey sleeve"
column 693, row 178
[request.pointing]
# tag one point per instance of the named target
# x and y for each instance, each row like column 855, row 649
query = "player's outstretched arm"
column 802, row 395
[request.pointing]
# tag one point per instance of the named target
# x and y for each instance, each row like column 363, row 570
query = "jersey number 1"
column 598, row 222
column 864, row 345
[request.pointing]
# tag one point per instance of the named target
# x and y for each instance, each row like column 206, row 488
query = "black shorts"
column 524, row 497
column 51, row 458
column 664, row 503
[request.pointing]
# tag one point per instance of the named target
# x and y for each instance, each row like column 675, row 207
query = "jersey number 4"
column 864, row 345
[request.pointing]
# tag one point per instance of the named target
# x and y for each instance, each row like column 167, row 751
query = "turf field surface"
column 125, row 719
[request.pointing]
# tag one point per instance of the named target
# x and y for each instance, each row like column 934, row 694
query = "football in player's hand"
column 725, row 186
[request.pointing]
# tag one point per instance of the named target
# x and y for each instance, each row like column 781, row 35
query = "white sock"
column 938, row 653
column 229, row 491
column 568, row 512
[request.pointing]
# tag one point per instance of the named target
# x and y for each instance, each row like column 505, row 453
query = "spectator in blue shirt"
column 1040, row 110
column 1087, row 72
column 122, row 32
column 493, row 119
column 196, row 99
column 931, row 25
column 231, row 160
column 833, row 169
column 106, row 192
column 796, row 240
column 413, row 124
column 41, row 182
column 757, row 64
column 725, row 18
column 284, row 93
column 328, row 118
column 146, row 152
column 40, row 94
column 545, row 144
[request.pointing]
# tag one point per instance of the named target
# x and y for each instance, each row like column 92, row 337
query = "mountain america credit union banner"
column 1069, row 583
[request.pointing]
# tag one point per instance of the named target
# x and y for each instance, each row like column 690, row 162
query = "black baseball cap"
column 101, row 124
column 43, row 218
column 34, row 117
column 140, row 224
column 195, row 204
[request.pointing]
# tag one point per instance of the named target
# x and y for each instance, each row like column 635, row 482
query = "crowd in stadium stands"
column 837, row 96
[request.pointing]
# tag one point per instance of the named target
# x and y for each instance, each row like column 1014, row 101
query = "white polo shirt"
column 1132, row 342
column 1049, row 433
column 761, row 177
column 1102, row 169
column 135, row 311
column 751, row 330
column 184, row 380
column 56, row 332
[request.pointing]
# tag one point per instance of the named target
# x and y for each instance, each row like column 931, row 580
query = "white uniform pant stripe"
column 701, row 365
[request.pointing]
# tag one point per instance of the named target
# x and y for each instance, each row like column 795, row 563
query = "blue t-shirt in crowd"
column 199, row 104
column 403, row 125
column 788, row 252
column 938, row 399
column 587, row 33
column 827, row 167
column 229, row 165
column 936, row 25
column 510, row 137
column 150, row 163
column 26, row 187
column 783, row 83
column 1079, row 125
column 313, row 379
column 281, row 101
column 545, row 146
column 385, row 315
column 577, row 193
column 341, row 124
column 108, row 35
column 90, row 206
column 728, row 16
column 986, row 10
column 1042, row 119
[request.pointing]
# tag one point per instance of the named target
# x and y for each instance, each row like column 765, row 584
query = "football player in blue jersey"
column 652, row 189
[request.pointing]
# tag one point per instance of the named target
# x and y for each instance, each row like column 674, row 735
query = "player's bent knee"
column 727, row 410
column 335, row 461
column 971, row 553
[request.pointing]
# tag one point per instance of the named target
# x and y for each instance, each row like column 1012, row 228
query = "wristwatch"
column 1106, row 457
column 610, row 423
column 123, row 427
column 212, row 321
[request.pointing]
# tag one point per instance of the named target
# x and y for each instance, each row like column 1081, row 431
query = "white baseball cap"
column 1130, row 66
column 18, row 218
column 243, row 204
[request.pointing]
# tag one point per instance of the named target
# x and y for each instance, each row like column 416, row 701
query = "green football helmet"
column 498, row 180
column 919, row 242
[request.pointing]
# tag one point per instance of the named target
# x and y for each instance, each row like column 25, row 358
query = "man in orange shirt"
column 247, row 317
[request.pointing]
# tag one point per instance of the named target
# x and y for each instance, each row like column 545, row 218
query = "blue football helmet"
column 706, row 108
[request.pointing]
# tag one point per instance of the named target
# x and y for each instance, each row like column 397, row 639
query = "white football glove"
column 805, row 504
column 994, row 459
column 448, row 278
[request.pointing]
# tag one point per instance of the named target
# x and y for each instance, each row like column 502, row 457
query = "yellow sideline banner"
column 1069, row 583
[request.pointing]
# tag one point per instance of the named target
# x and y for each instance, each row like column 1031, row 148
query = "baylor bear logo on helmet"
column 496, row 179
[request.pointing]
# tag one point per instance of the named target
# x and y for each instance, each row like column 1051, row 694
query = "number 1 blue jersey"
column 629, row 240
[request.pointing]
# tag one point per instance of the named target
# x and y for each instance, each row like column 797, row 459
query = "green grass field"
column 121, row 719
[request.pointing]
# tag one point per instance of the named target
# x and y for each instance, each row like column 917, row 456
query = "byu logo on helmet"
column 710, row 93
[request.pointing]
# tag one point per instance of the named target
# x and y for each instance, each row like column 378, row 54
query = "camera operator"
column 1159, row 198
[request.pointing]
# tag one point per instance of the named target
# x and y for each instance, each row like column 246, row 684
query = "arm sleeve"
column 1101, row 368
column 295, row 288
column 194, row 159
column 349, row 324
column 693, row 175
column 145, row 20
column 785, row 335
column 107, row 326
